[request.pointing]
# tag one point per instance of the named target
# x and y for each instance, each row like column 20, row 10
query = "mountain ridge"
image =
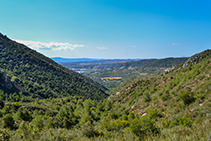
column 29, row 67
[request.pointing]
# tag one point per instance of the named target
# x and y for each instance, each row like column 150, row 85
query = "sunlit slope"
column 41, row 76
column 184, row 91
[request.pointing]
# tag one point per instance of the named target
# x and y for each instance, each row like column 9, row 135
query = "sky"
column 109, row 28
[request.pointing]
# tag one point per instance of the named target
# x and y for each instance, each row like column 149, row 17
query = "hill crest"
column 41, row 76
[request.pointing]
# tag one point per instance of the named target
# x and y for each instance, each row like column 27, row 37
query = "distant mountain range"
column 59, row 59
column 62, row 60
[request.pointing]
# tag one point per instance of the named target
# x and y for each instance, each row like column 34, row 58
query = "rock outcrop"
column 7, row 83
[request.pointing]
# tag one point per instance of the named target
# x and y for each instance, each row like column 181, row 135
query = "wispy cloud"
column 49, row 46
column 132, row 46
column 102, row 47
column 175, row 44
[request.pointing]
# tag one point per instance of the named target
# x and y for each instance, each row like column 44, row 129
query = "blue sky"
column 109, row 28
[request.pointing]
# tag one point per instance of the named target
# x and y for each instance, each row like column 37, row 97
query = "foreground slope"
column 39, row 75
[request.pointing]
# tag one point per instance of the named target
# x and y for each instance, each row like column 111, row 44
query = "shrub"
column 114, row 115
column 200, row 96
column 4, row 136
column 165, row 123
column 153, row 113
column 146, row 97
column 25, row 131
column 117, row 125
column 37, row 123
column 124, row 117
column 131, row 116
column 15, row 105
column 144, row 126
column 50, row 124
column 154, row 98
column 1, row 102
column 165, row 97
column 5, row 110
column 186, row 97
column 23, row 115
column 183, row 121
column 173, row 123
column 88, row 130
column 8, row 121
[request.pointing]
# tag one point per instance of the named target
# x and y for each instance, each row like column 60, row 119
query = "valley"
column 105, row 70
column 111, row 73
column 147, row 99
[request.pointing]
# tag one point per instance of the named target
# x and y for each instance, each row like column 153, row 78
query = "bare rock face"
column 6, row 82
column 19, row 87
column 192, row 60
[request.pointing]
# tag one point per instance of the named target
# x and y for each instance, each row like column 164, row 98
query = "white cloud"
column 49, row 46
column 175, row 44
column 102, row 47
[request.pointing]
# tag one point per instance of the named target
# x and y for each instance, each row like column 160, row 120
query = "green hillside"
column 167, row 62
column 176, row 101
column 173, row 106
column 41, row 76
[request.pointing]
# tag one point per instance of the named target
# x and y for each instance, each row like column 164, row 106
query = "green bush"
column 4, row 135
column 15, row 105
column 24, row 131
column 143, row 126
column 131, row 116
column 165, row 123
column 37, row 123
column 114, row 115
column 184, row 121
column 117, row 125
column 8, row 121
column 5, row 110
column 187, row 97
column 124, row 117
column 200, row 96
column 153, row 113
column 146, row 97
column 165, row 97
column 1, row 102
column 173, row 123
column 88, row 130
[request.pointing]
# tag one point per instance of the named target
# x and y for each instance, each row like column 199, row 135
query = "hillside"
column 192, row 76
column 167, row 106
column 177, row 100
column 41, row 76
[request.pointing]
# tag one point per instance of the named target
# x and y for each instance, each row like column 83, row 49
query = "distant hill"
column 59, row 59
column 41, row 76
column 88, row 60
column 167, row 62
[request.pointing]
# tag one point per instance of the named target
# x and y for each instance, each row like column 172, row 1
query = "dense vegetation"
column 164, row 106
column 42, row 77
column 173, row 106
